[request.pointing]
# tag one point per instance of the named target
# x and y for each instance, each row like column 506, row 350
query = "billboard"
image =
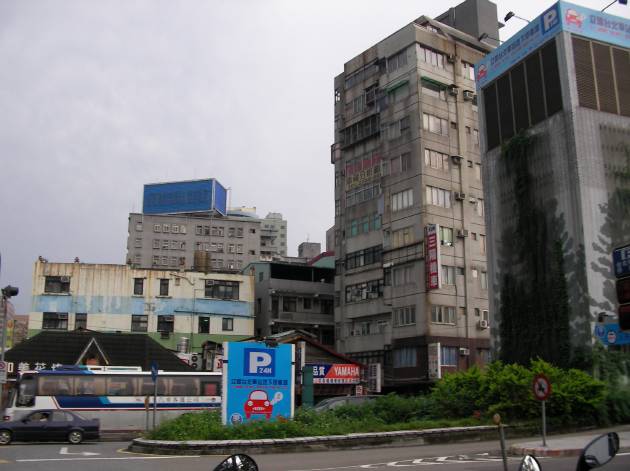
column 258, row 382
column 184, row 197
column 432, row 256
column 336, row 374
column 562, row 16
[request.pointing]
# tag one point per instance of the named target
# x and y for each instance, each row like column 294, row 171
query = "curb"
column 321, row 443
column 550, row 452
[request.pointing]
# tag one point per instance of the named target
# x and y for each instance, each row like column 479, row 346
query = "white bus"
column 118, row 396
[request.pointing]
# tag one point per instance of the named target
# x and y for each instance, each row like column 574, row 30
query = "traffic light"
column 623, row 298
column 9, row 291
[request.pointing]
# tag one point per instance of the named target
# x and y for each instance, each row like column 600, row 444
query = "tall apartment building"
column 555, row 105
column 187, row 225
column 409, row 240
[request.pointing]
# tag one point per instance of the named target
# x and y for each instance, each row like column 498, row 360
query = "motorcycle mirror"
column 237, row 463
column 529, row 463
column 599, row 452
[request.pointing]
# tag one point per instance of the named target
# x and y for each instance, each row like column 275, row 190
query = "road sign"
column 541, row 387
column 621, row 261
column 3, row 372
column 154, row 371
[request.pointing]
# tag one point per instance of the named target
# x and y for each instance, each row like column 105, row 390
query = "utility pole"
column 7, row 292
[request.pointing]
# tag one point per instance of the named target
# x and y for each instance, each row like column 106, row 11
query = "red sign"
column 541, row 387
column 432, row 256
column 336, row 374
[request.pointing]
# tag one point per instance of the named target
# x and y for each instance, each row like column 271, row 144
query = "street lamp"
column 511, row 14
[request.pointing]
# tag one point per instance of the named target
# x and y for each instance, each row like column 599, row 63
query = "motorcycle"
column 596, row 454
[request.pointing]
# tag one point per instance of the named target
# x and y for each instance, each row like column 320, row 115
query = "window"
column 204, row 325
column 443, row 314
column 227, row 323
column 361, row 195
column 80, row 321
column 138, row 243
column 397, row 128
column 216, row 231
column 55, row 321
column 402, row 276
column 198, row 230
column 222, row 289
column 165, row 323
column 435, row 159
column 231, row 232
column 482, row 243
column 57, row 284
column 164, row 286
column 289, row 304
column 400, row 163
column 405, row 357
column 433, row 90
column 449, row 356
column 438, row 196
column 448, row 275
column 446, row 235
column 138, row 227
column 239, row 248
column 484, row 355
column 434, row 124
column 402, row 200
column 478, row 171
column 402, row 237
column 476, row 137
column 239, row 232
column 432, row 57
column 175, row 229
column 157, row 227
column 139, row 323
column 397, row 61
column 362, row 291
column 468, row 71
column 307, row 303
column 120, row 386
column 479, row 207
column 484, row 280
column 364, row 257
column 405, row 316
column 156, row 243
column 485, row 316
column 364, row 129
column 165, row 244
column 155, row 260
column 231, row 248
column 337, row 207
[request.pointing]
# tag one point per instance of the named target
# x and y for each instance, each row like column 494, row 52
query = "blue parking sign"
column 258, row 382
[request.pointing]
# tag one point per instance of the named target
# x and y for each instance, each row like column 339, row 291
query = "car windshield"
column 259, row 395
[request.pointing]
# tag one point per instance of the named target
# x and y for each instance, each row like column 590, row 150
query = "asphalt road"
column 113, row 456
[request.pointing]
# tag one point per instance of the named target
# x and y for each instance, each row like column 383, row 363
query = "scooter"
column 596, row 454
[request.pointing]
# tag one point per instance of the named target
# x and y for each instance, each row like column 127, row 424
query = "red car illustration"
column 482, row 72
column 573, row 17
column 258, row 403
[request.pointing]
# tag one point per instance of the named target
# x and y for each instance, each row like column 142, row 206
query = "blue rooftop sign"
column 184, row 197
column 562, row 16
column 621, row 261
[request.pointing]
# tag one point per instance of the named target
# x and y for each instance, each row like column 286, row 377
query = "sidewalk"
column 569, row 445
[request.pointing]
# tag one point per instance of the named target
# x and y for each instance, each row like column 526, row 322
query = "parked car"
column 334, row 402
column 57, row 425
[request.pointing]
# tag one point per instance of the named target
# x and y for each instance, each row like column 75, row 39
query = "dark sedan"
column 54, row 425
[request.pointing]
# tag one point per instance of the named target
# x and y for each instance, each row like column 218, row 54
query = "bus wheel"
column 75, row 437
column 5, row 437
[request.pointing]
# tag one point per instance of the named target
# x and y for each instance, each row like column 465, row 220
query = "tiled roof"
column 65, row 348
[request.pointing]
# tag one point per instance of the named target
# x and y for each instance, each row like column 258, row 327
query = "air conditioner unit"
column 460, row 196
column 453, row 90
column 464, row 351
column 450, row 58
column 468, row 95
column 461, row 233
column 457, row 159
column 195, row 361
column 483, row 324
column 64, row 279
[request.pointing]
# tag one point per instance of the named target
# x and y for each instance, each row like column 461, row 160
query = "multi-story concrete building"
column 309, row 250
column 188, row 225
column 408, row 172
column 292, row 296
column 165, row 304
column 555, row 108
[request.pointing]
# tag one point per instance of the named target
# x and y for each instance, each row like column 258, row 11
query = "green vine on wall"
column 534, row 309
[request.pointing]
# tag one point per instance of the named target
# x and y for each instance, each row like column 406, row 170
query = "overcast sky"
column 99, row 97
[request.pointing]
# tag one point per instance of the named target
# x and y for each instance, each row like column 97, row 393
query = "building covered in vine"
column 555, row 122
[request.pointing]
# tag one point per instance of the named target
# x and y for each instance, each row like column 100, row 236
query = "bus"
column 118, row 396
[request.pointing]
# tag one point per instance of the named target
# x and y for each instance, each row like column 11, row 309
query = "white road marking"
column 64, row 451
column 432, row 461
column 110, row 458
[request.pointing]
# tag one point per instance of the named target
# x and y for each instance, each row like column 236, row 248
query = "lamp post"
column 511, row 14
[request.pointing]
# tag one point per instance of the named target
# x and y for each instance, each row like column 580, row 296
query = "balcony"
column 307, row 318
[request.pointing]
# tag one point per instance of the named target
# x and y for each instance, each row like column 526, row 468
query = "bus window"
column 147, row 388
column 210, row 389
column 184, row 386
column 55, row 386
column 26, row 392
column 90, row 386
column 120, row 386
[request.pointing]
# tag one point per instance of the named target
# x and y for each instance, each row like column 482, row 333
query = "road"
column 107, row 456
